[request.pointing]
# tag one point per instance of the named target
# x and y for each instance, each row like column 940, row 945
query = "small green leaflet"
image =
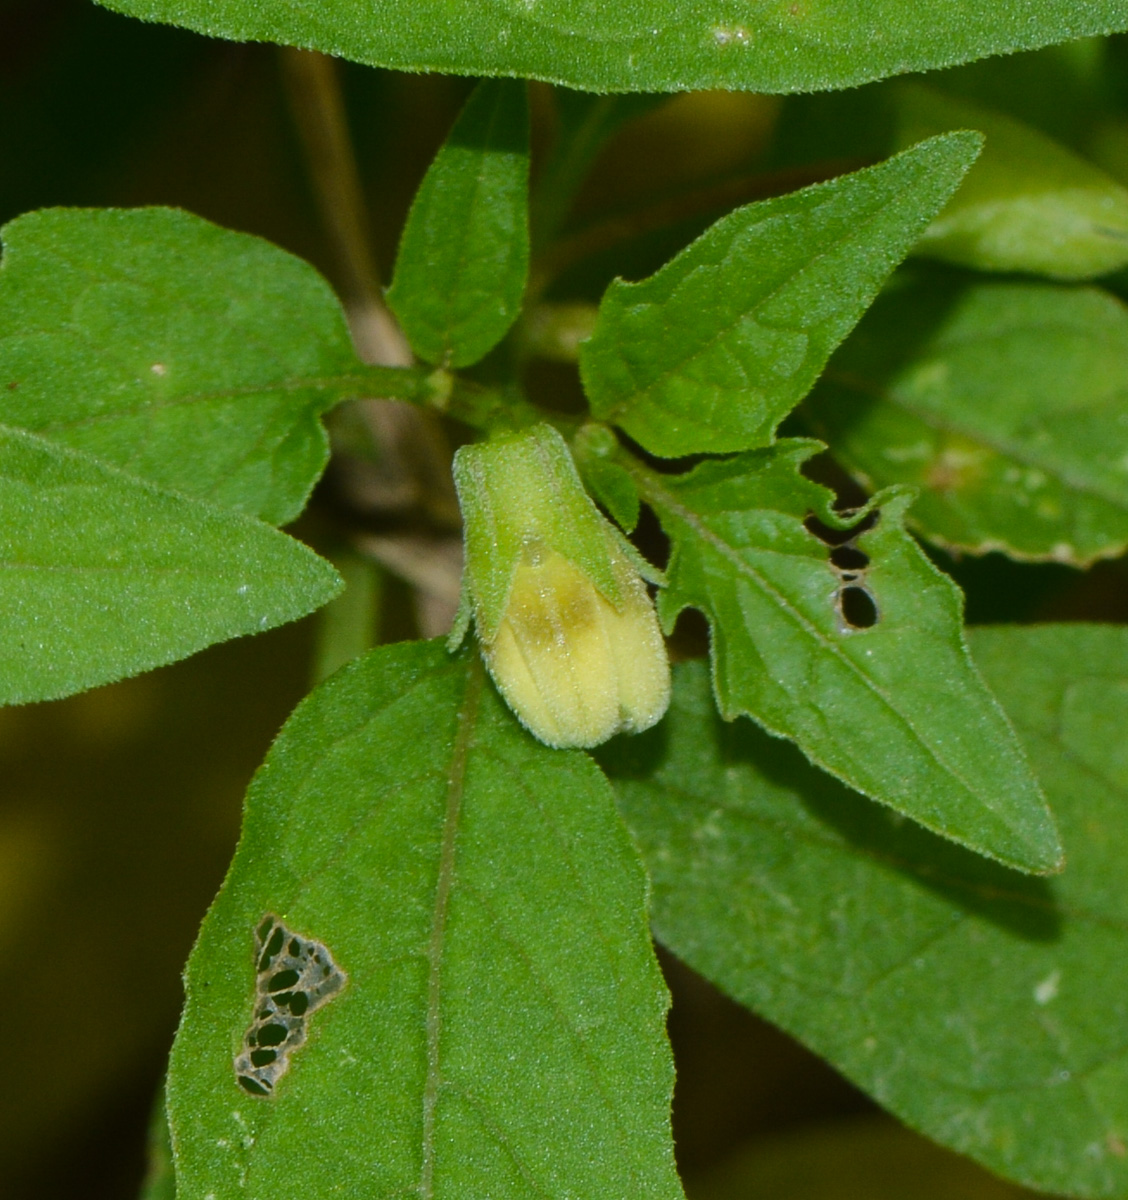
column 897, row 710
column 191, row 356
column 501, row 1032
column 715, row 349
column 614, row 488
column 464, row 255
column 986, row 1009
column 656, row 45
column 103, row 575
column 1003, row 402
column 1028, row 204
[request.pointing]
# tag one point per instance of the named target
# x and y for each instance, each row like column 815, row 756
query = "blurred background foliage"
column 119, row 809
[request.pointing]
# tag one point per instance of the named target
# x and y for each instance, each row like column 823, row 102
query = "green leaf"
column 660, row 45
column 1059, row 89
column 983, row 1008
column 1062, row 91
column 191, row 356
column 614, row 489
column 160, row 1177
column 1003, row 402
column 864, row 1157
column 501, row 1031
column 464, row 256
column 350, row 623
column 897, row 709
column 714, row 350
column 105, row 575
column 1028, row 204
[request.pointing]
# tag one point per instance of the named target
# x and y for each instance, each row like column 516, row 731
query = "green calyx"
column 520, row 491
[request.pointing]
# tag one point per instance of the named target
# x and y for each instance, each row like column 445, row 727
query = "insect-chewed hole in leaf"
column 857, row 608
column 295, row 976
column 840, row 537
column 849, row 558
column 853, row 601
column 651, row 539
column 271, row 946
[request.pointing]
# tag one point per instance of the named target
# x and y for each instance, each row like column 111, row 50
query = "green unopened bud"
column 567, row 628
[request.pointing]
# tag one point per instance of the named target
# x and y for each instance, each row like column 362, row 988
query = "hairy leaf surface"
column 194, row 357
column 501, row 1032
column 103, row 575
column 895, row 709
column 714, row 350
column 984, row 1008
column 464, row 256
column 656, row 45
column 1003, row 402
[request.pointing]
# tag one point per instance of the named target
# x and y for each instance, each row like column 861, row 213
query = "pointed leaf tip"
column 855, row 652
column 464, row 255
column 713, row 351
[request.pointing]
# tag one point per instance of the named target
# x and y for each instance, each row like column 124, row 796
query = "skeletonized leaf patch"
column 295, row 976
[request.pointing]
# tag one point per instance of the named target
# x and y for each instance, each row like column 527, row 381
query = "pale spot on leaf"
column 1047, row 989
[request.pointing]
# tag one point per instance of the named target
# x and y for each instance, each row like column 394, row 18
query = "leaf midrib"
column 359, row 385
column 661, row 498
column 456, row 320
column 460, row 753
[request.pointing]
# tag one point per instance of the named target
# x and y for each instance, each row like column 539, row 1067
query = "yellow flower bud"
column 567, row 628
column 572, row 666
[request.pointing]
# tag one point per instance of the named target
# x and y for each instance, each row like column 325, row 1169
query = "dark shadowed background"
column 119, row 809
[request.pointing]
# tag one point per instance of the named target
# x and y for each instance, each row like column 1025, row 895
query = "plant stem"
column 314, row 89
column 413, row 442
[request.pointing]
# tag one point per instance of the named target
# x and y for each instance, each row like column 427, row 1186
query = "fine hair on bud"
column 566, row 626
